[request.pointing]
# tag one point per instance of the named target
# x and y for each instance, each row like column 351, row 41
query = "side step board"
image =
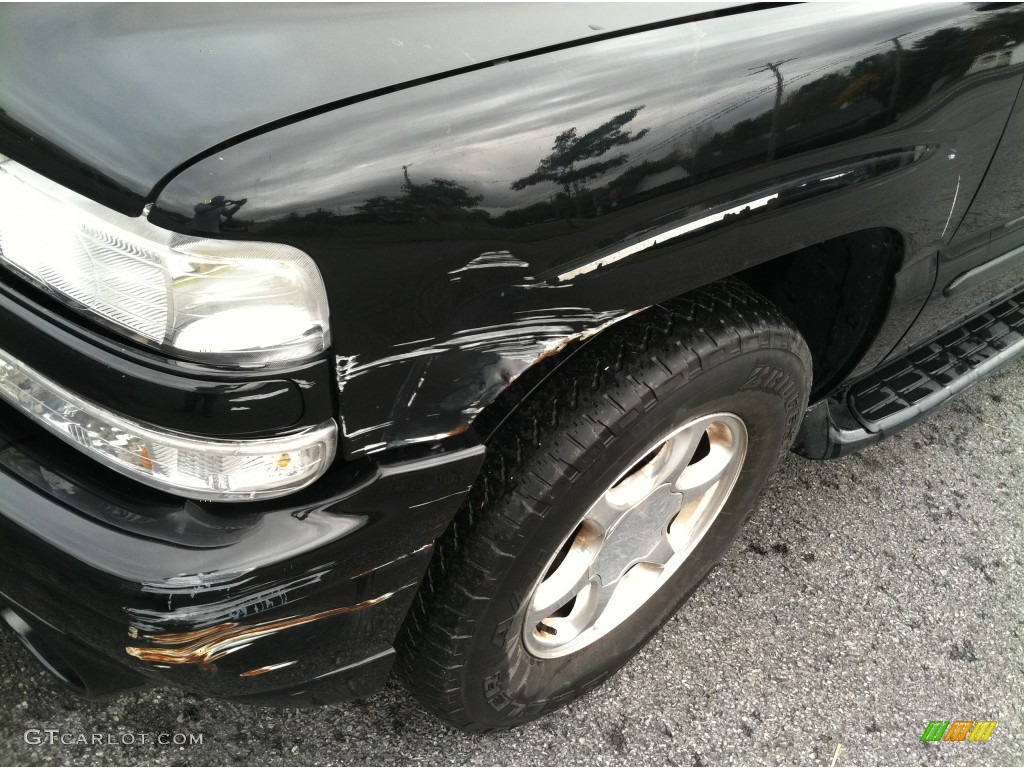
column 904, row 390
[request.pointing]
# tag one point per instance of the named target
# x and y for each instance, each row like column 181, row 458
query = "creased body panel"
column 467, row 227
column 281, row 598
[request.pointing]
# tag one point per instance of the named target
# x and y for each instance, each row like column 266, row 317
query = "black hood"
column 108, row 99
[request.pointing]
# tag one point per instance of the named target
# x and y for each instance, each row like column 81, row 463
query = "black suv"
column 464, row 336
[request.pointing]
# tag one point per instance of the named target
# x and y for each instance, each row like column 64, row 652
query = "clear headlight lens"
column 224, row 301
column 217, row 470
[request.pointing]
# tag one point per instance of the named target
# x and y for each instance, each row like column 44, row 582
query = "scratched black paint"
column 458, row 223
column 394, row 195
column 156, row 564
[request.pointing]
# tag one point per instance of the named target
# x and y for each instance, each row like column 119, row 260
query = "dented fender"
column 300, row 604
column 469, row 225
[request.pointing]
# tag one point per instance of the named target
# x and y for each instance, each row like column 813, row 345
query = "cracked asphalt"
column 865, row 597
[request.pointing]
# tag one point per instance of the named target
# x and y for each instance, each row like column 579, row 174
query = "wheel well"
column 836, row 293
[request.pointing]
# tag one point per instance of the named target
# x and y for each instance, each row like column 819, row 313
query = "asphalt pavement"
column 865, row 598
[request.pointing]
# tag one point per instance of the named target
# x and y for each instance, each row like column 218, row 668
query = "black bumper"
column 292, row 602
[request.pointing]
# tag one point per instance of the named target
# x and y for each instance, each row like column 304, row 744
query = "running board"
column 903, row 391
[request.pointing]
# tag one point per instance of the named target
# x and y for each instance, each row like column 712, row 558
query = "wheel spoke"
column 604, row 513
column 704, row 474
column 568, row 577
column 682, row 446
column 554, row 594
column 662, row 552
column 616, row 602
column 589, row 613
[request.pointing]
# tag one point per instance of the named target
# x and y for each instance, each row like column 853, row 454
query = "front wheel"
column 602, row 504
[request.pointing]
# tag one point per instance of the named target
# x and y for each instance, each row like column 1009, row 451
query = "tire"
column 624, row 409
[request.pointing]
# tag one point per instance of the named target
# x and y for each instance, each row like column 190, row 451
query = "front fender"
column 472, row 225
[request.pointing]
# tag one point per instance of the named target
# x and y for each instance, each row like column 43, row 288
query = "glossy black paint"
column 992, row 228
column 410, row 164
column 108, row 98
column 360, row 540
column 452, row 266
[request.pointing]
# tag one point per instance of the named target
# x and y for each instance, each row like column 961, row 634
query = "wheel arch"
column 840, row 324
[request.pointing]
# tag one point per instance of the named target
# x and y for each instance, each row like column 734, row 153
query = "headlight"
column 224, row 301
column 201, row 468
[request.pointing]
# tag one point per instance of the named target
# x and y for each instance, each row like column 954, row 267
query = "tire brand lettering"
column 771, row 379
column 494, row 692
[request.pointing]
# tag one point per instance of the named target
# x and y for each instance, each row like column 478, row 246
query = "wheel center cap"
column 637, row 534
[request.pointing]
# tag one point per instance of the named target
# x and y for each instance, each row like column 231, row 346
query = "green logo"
column 958, row 730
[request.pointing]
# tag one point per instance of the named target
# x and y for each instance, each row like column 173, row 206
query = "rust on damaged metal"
column 204, row 646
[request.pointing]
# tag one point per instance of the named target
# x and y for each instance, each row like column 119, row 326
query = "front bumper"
column 292, row 602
